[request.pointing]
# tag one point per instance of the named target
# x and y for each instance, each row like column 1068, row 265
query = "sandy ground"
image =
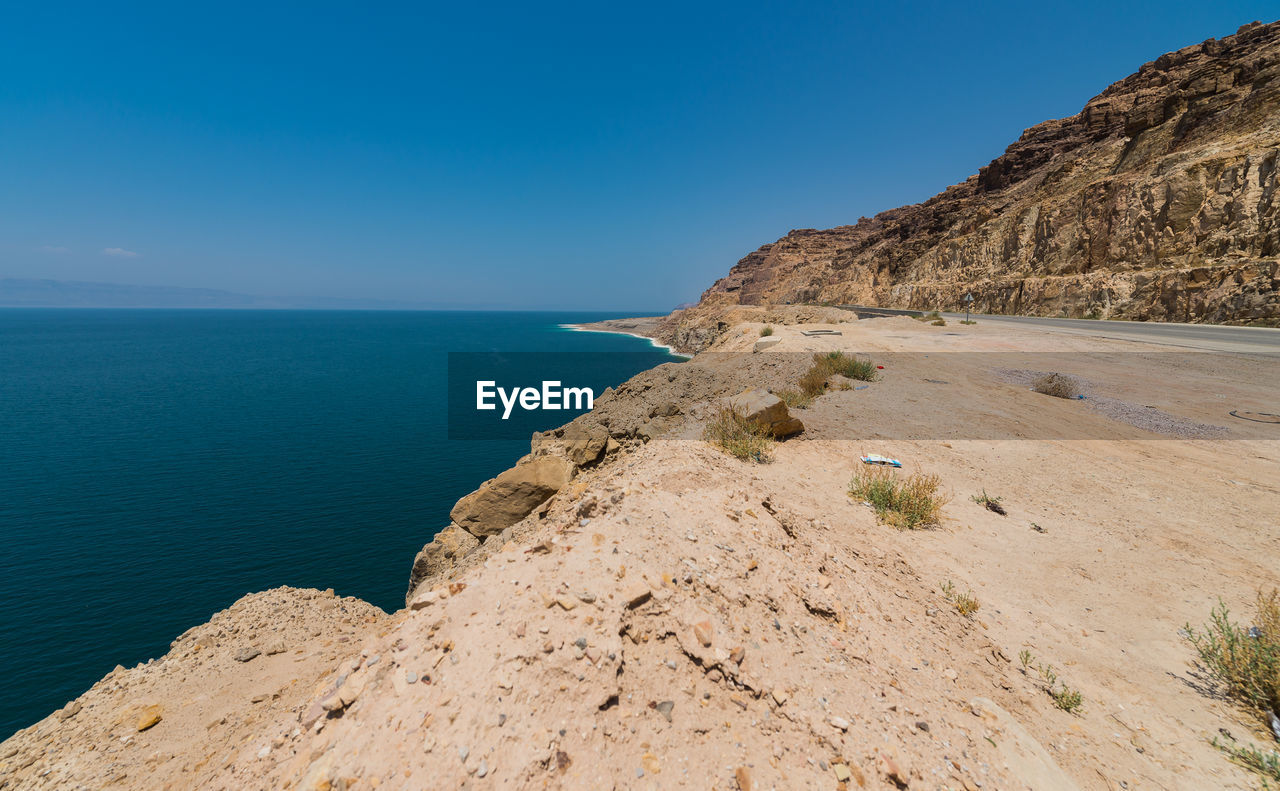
column 677, row 618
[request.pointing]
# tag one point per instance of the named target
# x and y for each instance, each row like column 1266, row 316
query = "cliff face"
column 1157, row 201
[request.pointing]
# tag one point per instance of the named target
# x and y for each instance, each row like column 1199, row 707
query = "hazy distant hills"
column 20, row 293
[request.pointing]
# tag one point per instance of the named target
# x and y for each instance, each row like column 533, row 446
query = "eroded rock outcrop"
column 442, row 554
column 510, row 497
column 1157, row 201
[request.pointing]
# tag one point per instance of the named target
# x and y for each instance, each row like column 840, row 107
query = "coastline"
column 641, row 327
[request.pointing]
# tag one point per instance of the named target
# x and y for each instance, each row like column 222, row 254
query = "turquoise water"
column 157, row 465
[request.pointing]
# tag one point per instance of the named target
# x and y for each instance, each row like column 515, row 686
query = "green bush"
column 1245, row 661
column 908, row 502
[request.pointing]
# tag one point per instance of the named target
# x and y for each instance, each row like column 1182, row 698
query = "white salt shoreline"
column 668, row 349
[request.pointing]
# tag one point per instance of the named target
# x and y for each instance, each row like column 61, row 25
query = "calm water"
column 157, row 465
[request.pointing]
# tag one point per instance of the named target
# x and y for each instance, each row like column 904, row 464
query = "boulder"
column 443, row 553
column 505, row 500
column 766, row 409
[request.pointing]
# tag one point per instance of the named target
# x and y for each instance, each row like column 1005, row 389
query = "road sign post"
column 968, row 300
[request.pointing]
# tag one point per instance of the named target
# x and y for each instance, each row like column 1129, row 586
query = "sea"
column 157, row 465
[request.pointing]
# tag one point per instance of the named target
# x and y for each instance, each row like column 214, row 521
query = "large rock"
column 443, row 553
column 505, row 500
column 766, row 409
column 767, row 342
column 1157, row 201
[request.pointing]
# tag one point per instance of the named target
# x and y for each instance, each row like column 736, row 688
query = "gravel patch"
column 1137, row 415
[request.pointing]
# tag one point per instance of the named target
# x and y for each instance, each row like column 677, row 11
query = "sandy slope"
column 679, row 618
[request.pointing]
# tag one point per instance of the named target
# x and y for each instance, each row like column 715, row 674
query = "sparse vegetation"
column 814, row 381
column 939, row 322
column 794, row 399
column 742, row 438
column 965, row 603
column 1265, row 763
column 907, row 503
column 1064, row 697
column 766, row 331
column 1057, row 385
column 932, row 316
column 1245, row 660
column 968, row 321
column 843, row 364
column 990, row 503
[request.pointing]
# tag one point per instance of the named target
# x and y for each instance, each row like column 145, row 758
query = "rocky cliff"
column 1157, row 201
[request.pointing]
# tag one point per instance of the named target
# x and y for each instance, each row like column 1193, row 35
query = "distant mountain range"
column 21, row 293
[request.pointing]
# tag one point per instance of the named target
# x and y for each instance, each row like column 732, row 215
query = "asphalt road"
column 1206, row 337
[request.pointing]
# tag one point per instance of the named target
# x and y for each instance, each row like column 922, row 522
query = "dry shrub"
column 1057, row 385
column 1245, row 660
column 907, row 503
column 967, row 604
column 813, row 383
column 766, row 331
column 745, row 439
column 795, row 399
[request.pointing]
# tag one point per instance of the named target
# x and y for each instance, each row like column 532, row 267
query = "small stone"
column 737, row 655
column 264, row 752
column 586, row 597
column 636, row 594
column 484, row 768
column 410, row 677
column 650, row 763
column 581, row 642
column 70, row 710
column 463, row 752
column 891, row 770
column 922, row 726
column 702, row 631
column 247, row 653
column 424, row 600
column 839, row 722
column 566, row 603
column 547, row 647
column 843, row 774
column 312, row 715
column 743, row 775
column 664, row 708
column 779, row 695
column 276, row 647
column 149, row 717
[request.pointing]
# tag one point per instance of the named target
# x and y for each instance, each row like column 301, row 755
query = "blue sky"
column 544, row 155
